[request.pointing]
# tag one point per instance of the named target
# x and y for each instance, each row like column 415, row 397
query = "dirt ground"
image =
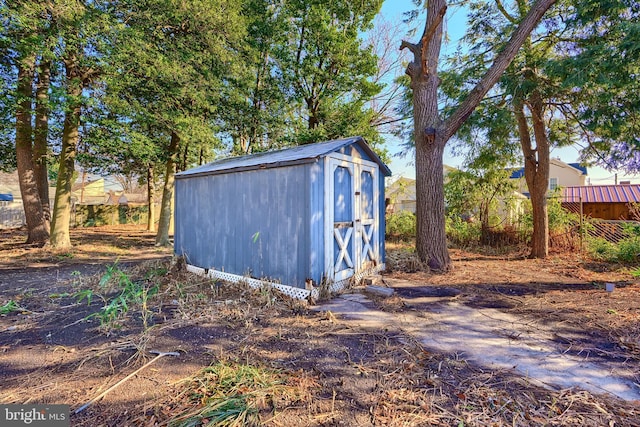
column 328, row 372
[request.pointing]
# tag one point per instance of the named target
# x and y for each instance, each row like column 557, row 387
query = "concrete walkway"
column 493, row 339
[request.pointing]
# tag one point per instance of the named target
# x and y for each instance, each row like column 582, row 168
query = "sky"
column 455, row 19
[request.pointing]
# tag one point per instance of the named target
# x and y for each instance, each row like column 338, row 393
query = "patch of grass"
column 601, row 250
column 231, row 394
column 65, row 255
column 131, row 292
column 9, row 307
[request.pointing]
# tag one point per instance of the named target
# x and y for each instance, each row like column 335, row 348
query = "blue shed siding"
column 382, row 224
column 316, row 215
column 253, row 222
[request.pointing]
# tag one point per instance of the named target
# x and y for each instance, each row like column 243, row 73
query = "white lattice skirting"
column 293, row 292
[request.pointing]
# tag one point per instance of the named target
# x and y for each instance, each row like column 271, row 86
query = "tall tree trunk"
column 432, row 133
column 41, row 134
column 431, row 240
column 151, row 196
column 60, row 221
column 162, row 237
column 536, row 174
column 37, row 230
column 540, row 239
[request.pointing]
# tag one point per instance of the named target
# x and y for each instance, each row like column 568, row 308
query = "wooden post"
column 581, row 225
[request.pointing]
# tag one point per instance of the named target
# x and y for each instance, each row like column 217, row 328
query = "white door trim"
column 361, row 239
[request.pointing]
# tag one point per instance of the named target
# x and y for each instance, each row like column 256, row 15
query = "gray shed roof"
column 288, row 156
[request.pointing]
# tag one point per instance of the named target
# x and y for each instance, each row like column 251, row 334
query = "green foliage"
column 629, row 249
column 460, row 193
column 9, row 307
column 631, row 229
column 600, row 68
column 229, row 394
column 130, row 293
column 8, row 162
column 96, row 215
column 626, row 250
column 476, row 192
column 560, row 219
column 325, row 67
column 462, row 233
column 84, row 294
column 401, row 225
column 602, row 250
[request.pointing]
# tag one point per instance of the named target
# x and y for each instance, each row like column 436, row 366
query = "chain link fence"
column 11, row 214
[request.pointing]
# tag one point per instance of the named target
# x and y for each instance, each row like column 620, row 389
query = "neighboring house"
column 89, row 192
column 401, row 193
column 511, row 208
column 561, row 174
column 304, row 217
column 611, row 202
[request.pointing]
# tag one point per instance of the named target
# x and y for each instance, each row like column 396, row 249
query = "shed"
column 299, row 218
column 609, row 202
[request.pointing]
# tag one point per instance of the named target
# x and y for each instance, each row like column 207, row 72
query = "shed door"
column 367, row 217
column 343, row 183
column 352, row 227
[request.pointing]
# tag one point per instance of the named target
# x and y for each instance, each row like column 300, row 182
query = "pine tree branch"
column 493, row 74
column 505, row 13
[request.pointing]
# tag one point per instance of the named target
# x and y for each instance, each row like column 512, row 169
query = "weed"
column 9, row 307
column 84, row 294
column 131, row 292
column 626, row 250
column 601, row 249
column 62, row 295
column 229, row 394
column 463, row 233
column 401, row 225
column 629, row 249
column 156, row 272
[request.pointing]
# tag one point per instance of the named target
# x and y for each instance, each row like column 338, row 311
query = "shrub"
column 463, row 233
column 601, row 249
column 560, row 219
column 631, row 229
column 629, row 249
column 401, row 225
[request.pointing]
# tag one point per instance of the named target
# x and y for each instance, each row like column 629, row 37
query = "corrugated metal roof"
column 602, row 194
column 298, row 154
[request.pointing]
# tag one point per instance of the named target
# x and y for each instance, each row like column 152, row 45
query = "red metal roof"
column 602, row 194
